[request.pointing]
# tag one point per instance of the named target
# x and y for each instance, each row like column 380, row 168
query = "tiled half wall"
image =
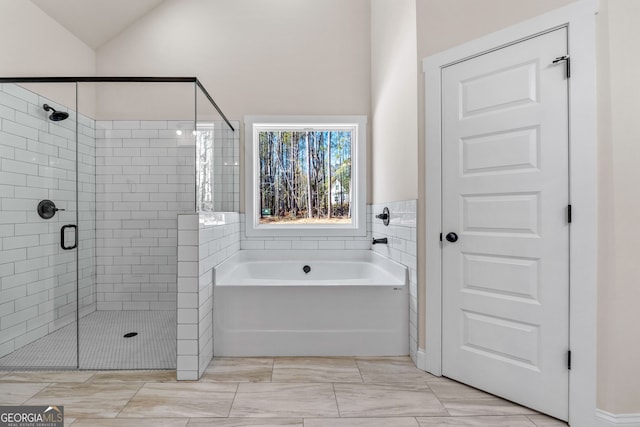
column 204, row 240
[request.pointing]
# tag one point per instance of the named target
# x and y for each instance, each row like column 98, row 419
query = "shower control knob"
column 451, row 237
column 47, row 209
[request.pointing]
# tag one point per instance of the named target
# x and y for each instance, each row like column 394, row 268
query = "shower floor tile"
column 102, row 345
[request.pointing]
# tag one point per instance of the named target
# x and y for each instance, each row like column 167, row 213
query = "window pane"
column 204, row 159
column 305, row 176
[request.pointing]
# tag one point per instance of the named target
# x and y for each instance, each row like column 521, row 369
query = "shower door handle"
column 75, row 237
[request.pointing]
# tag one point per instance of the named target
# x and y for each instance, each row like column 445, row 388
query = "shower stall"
column 93, row 174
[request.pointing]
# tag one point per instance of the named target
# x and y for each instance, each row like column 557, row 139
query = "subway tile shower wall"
column 37, row 161
column 144, row 179
column 401, row 247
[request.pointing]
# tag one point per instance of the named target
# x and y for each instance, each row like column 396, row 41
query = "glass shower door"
column 38, row 226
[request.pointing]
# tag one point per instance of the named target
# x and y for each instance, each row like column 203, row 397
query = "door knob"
column 451, row 237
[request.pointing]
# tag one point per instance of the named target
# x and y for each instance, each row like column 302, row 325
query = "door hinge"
column 568, row 214
column 569, row 360
column 567, row 59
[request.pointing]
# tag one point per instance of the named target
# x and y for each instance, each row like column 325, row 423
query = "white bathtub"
column 351, row 303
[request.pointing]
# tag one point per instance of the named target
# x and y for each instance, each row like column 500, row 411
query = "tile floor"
column 303, row 392
column 104, row 347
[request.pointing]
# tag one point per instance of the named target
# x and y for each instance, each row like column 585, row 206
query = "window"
column 305, row 176
column 204, row 167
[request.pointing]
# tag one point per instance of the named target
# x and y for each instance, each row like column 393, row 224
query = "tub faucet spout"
column 382, row 240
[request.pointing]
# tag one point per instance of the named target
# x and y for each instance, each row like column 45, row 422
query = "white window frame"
column 358, row 226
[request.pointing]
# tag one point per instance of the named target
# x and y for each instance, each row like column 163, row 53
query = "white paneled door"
column 505, row 223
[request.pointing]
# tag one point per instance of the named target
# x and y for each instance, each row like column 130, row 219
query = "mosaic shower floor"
column 102, row 343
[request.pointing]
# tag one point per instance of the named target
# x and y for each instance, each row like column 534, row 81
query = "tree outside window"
column 305, row 176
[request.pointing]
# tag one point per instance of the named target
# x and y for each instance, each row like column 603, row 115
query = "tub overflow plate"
column 306, row 269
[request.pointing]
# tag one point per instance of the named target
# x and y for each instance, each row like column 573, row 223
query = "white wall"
column 255, row 57
column 394, row 100
column 37, row 46
column 619, row 232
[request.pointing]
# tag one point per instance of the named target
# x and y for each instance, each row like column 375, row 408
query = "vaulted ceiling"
column 96, row 21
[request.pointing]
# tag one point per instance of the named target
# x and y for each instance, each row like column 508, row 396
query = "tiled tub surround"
column 401, row 247
column 306, row 242
column 144, row 179
column 37, row 161
column 219, row 235
column 204, row 241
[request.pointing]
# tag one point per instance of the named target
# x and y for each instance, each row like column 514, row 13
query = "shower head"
column 56, row 116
